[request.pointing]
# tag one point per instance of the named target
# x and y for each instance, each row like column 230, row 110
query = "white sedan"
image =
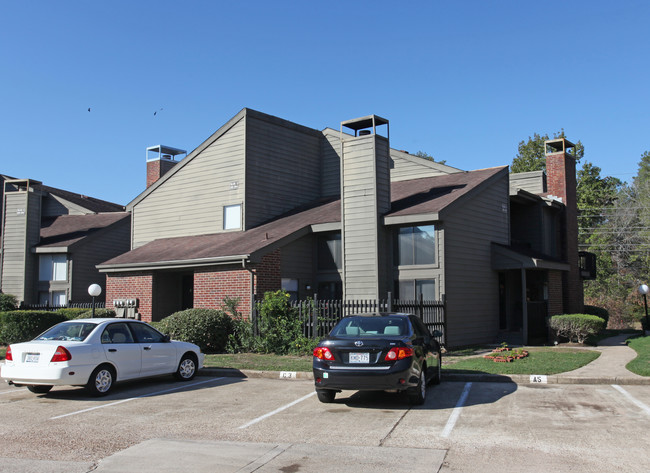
column 96, row 353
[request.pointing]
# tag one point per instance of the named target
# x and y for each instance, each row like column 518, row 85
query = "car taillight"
column 8, row 356
column 323, row 353
column 61, row 354
column 398, row 353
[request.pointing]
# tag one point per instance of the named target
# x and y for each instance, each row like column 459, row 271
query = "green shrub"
column 7, row 302
column 207, row 328
column 23, row 325
column 279, row 325
column 99, row 314
column 598, row 312
column 576, row 327
column 72, row 313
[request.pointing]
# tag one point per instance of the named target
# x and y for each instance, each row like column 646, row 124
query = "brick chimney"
column 160, row 159
column 561, row 182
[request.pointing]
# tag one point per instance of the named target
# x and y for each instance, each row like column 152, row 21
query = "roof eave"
column 179, row 264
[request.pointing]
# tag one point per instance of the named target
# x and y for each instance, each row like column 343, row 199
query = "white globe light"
column 643, row 289
column 94, row 290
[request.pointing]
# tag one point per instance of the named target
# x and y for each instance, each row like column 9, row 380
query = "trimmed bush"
column 576, row 327
column 598, row 312
column 72, row 313
column 7, row 302
column 23, row 325
column 99, row 314
column 279, row 325
column 207, row 328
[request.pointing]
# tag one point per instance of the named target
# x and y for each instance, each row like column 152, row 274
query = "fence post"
column 314, row 327
column 421, row 307
column 444, row 319
column 389, row 302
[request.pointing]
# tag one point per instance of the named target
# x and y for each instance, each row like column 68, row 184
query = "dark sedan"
column 381, row 351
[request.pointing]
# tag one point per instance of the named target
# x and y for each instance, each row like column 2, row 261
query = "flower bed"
column 506, row 354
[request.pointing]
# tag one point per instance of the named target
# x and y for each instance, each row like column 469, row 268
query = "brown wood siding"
column 365, row 196
column 411, row 167
column 471, row 286
column 95, row 249
column 330, row 164
column 191, row 202
column 297, row 262
column 282, row 169
column 21, row 232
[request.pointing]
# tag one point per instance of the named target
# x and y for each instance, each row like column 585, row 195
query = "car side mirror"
column 167, row 338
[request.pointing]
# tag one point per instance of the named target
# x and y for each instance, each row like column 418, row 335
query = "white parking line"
column 279, row 409
column 635, row 401
column 137, row 397
column 453, row 418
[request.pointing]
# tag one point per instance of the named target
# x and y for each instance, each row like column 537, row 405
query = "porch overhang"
column 240, row 260
column 504, row 258
column 411, row 219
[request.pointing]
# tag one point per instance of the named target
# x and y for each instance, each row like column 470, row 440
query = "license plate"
column 359, row 358
column 32, row 357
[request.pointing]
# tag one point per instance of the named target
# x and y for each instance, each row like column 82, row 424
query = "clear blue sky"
column 464, row 81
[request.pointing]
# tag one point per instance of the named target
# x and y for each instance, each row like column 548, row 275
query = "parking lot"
column 264, row 425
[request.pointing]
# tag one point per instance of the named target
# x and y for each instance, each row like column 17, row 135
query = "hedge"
column 23, row 325
column 576, row 327
column 598, row 312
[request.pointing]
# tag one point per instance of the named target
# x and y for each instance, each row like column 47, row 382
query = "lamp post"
column 94, row 290
column 643, row 289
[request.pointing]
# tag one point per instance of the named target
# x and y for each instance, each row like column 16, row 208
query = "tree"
column 425, row 155
column 531, row 155
column 594, row 195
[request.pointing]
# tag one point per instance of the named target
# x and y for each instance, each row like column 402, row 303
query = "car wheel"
column 186, row 368
column 418, row 394
column 101, row 381
column 437, row 375
column 40, row 389
column 326, row 395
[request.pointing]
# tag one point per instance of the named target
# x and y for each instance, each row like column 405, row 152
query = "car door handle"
column 147, row 348
column 112, row 350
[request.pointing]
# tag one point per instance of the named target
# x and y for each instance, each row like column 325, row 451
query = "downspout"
column 524, row 306
column 251, row 316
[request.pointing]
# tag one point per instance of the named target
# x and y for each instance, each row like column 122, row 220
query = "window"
column 117, row 333
column 232, row 217
column 416, row 245
column 54, row 298
column 291, row 286
column 52, row 268
column 146, row 334
column 412, row 289
column 330, row 252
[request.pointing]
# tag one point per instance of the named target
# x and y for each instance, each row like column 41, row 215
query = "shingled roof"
column 413, row 197
column 90, row 203
column 66, row 230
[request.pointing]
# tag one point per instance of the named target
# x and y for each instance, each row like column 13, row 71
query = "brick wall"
column 555, row 298
column 268, row 274
column 561, row 182
column 211, row 287
column 157, row 169
column 131, row 286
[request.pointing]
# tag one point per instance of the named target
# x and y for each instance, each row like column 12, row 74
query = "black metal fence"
column 69, row 305
column 320, row 316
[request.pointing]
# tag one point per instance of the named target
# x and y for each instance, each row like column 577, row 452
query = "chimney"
column 365, row 198
column 160, row 159
column 561, row 182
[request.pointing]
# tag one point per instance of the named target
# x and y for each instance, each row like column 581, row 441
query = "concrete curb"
column 457, row 377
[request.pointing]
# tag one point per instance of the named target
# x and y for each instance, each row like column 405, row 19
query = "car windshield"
column 74, row 331
column 370, row 327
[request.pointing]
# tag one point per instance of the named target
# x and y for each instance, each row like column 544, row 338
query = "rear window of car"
column 371, row 327
column 73, row 331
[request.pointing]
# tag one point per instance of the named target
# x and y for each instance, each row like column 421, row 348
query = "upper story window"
column 330, row 253
column 232, row 217
column 416, row 245
column 53, row 267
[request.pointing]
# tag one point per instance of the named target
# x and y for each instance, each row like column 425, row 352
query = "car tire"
column 39, row 389
column 186, row 368
column 326, row 395
column 418, row 394
column 101, row 381
column 437, row 375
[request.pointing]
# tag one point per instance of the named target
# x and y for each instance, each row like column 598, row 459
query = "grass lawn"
column 259, row 362
column 541, row 360
column 641, row 364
